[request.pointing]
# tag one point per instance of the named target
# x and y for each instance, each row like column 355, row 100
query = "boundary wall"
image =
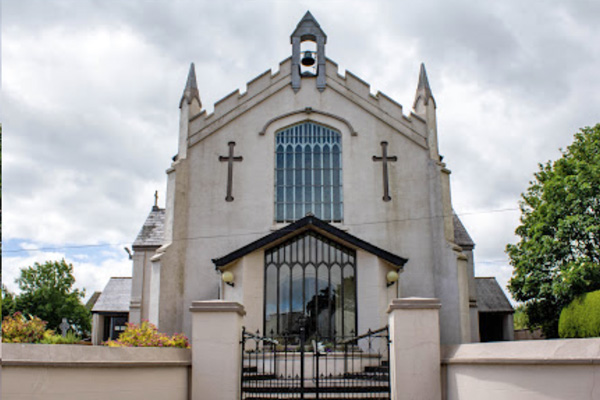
column 39, row 371
column 420, row 368
column 522, row 370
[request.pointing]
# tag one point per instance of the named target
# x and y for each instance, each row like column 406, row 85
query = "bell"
column 308, row 60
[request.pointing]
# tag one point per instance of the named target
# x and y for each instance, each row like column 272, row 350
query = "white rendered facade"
column 207, row 217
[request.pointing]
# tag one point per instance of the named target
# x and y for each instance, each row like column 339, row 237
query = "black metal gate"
column 296, row 367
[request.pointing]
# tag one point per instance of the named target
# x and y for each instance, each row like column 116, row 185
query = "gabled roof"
column 153, row 232
column 92, row 301
column 115, row 297
column 490, row 296
column 461, row 236
column 310, row 222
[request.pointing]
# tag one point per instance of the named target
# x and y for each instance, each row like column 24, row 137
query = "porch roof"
column 310, row 222
column 491, row 297
column 115, row 297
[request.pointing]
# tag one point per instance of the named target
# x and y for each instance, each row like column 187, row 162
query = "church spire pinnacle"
column 423, row 89
column 191, row 88
column 425, row 109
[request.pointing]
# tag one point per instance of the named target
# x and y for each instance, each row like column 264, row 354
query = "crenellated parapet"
column 257, row 90
column 380, row 105
column 361, row 89
column 269, row 83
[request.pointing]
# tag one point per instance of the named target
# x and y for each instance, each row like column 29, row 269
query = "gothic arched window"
column 310, row 280
column 308, row 173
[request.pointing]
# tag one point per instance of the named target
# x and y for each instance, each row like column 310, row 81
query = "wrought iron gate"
column 296, row 367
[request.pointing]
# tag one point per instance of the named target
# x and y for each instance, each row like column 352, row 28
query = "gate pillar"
column 415, row 348
column 216, row 358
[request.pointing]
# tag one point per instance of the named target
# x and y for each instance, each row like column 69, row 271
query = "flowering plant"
column 18, row 329
column 146, row 335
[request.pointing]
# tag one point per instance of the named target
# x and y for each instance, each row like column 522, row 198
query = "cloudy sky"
column 91, row 92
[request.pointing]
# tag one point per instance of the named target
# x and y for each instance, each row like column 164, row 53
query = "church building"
column 311, row 202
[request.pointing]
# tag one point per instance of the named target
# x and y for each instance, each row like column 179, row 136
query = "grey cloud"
column 88, row 132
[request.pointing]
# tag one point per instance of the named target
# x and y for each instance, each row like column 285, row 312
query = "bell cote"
column 308, row 52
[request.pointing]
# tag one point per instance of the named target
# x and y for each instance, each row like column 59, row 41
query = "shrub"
column 520, row 317
column 18, row 329
column 581, row 318
column 51, row 338
column 146, row 335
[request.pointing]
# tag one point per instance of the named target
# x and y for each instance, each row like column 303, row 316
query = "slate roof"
column 461, row 236
column 491, row 297
column 153, row 231
column 92, row 301
column 115, row 297
column 306, row 223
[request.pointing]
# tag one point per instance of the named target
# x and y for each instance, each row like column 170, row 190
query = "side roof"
column 115, row 297
column 92, row 301
column 461, row 236
column 310, row 222
column 153, row 230
column 490, row 296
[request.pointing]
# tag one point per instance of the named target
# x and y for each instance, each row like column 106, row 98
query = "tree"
column 47, row 292
column 558, row 254
column 8, row 302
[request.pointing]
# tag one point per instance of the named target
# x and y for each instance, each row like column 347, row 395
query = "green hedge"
column 581, row 318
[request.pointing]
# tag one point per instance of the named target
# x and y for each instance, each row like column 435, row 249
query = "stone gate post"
column 216, row 357
column 415, row 349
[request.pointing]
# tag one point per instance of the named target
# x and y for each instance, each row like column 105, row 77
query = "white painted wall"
column 411, row 225
column 527, row 370
column 64, row 372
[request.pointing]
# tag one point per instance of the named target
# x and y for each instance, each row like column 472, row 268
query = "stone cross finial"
column 155, row 206
column 64, row 327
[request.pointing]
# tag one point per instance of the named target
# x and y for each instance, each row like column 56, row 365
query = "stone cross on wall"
column 64, row 327
column 384, row 159
column 230, row 159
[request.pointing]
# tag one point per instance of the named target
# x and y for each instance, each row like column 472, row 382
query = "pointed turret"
column 423, row 91
column 191, row 88
column 424, row 107
column 189, row 106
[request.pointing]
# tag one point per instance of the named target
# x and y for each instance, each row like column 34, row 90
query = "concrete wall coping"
column 527, row 352
column 217, row 306
column 414, row 303
column 78, row 356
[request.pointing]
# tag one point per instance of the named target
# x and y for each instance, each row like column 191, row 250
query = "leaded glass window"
column 310, row 278
column 308, row 173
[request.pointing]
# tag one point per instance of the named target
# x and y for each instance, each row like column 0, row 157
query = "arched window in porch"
column 310, row 278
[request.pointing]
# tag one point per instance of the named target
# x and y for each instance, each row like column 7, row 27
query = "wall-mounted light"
column 128, row 252
column 391, row 278
column 227, row 277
